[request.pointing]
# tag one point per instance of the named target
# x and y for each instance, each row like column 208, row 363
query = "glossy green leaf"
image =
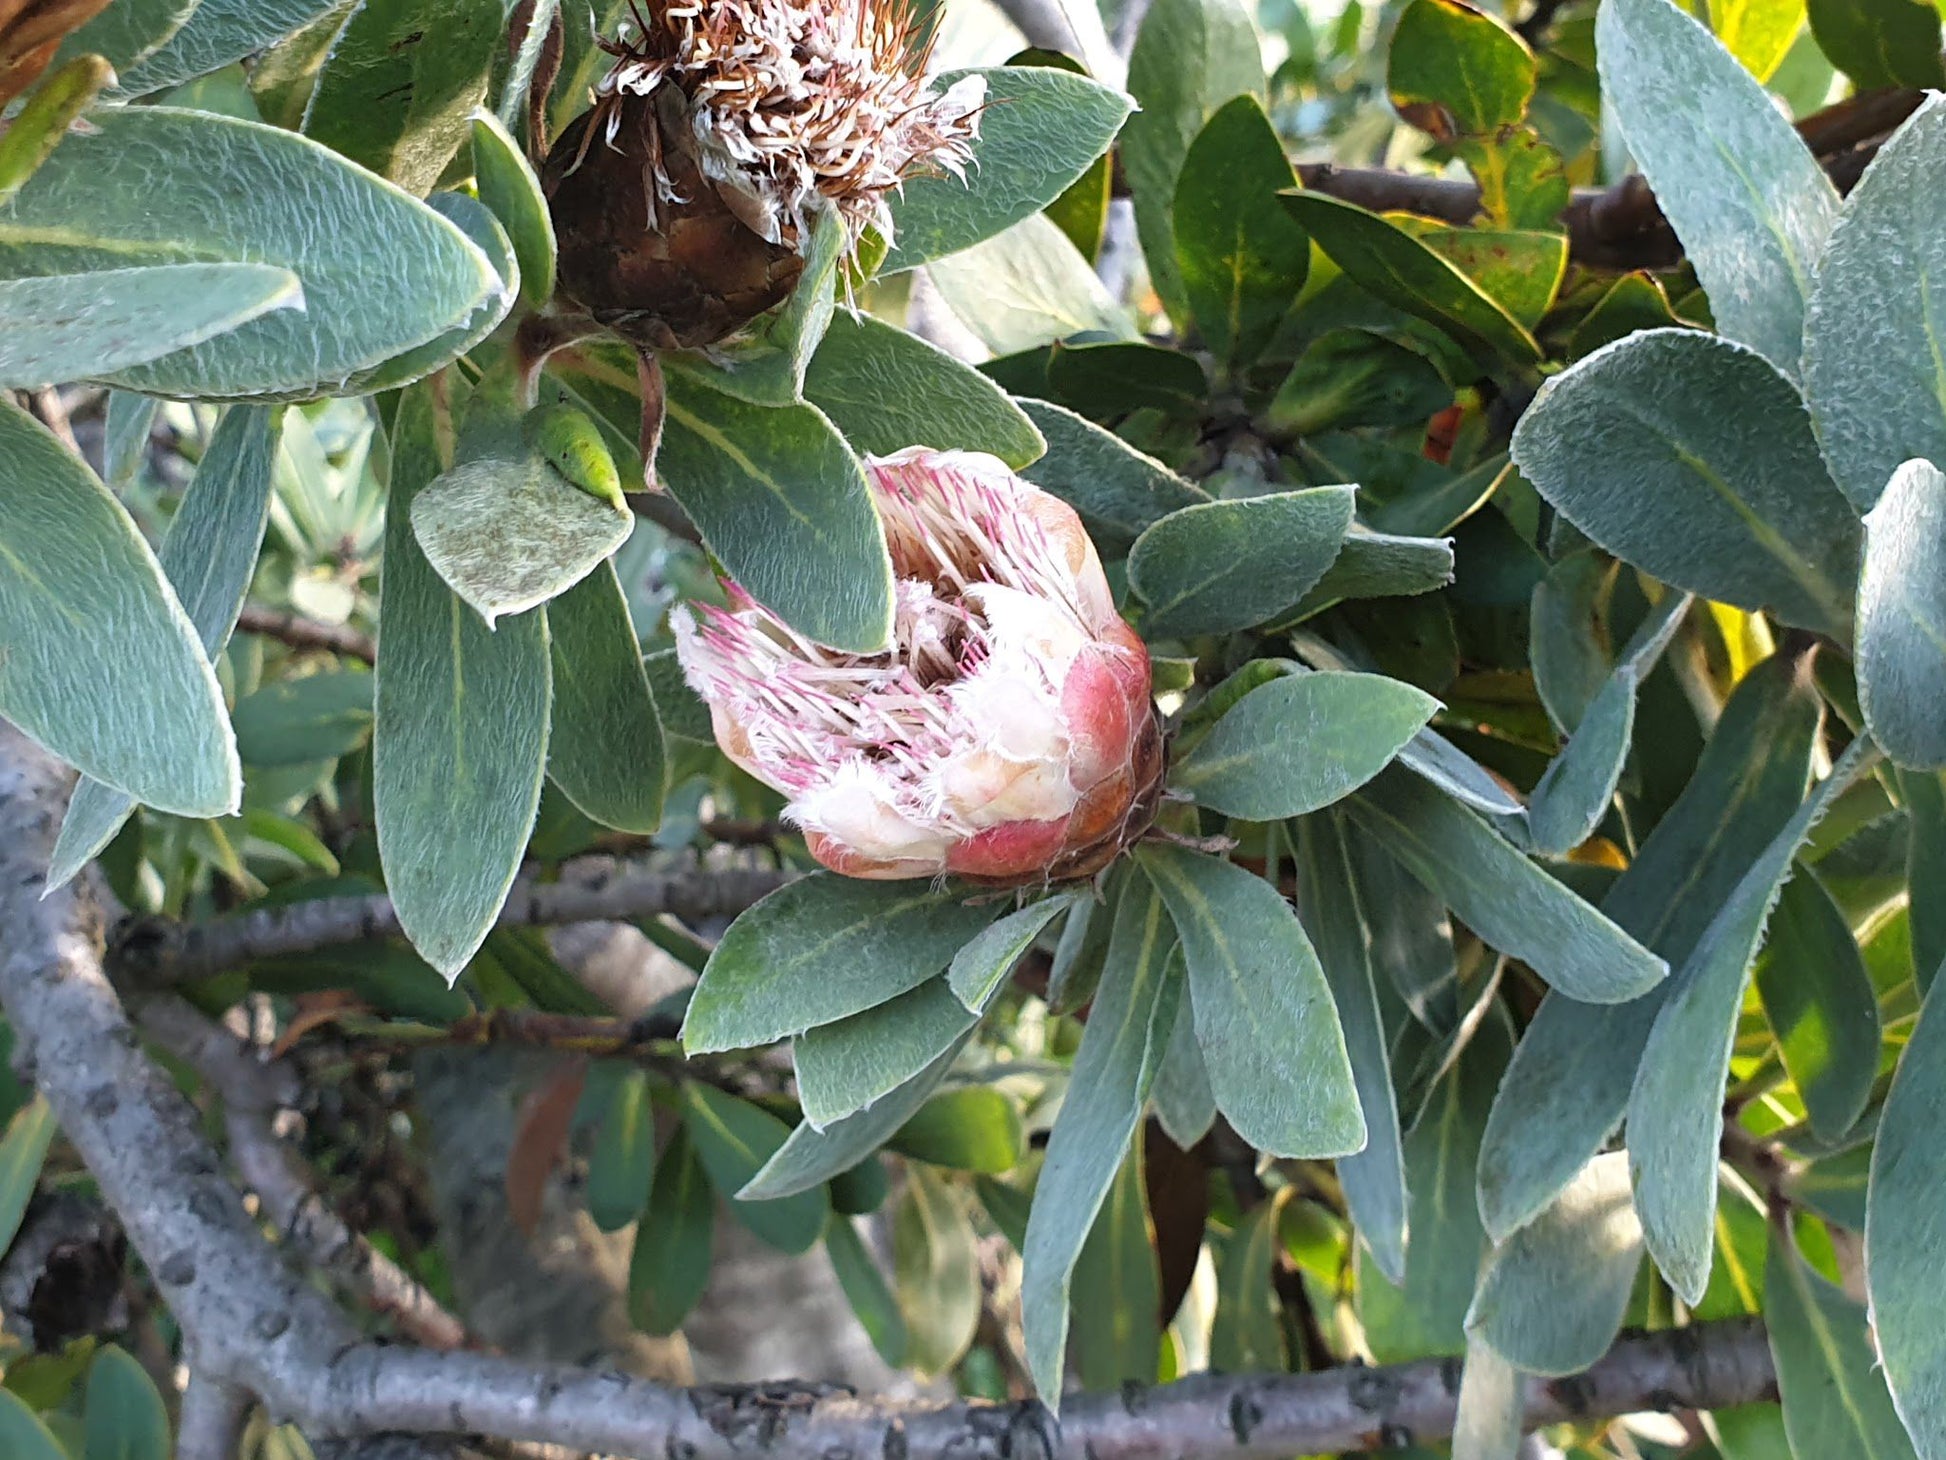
column 98, row 660
column 1117, row 490
column 459, row 732
column 1905, row 1233
column 1519, row 269
column 1227, row 565
column 23, row 1150
column 1568, row 1086
column 1039, row 131
column 822, row 948
column 669, row 1265
column 936, row 1267
column 1751, row 204
column 1901, row 653
column 216, row 33
column 1454, row 68
column 1636, row 447
column 509, row 186
column 1675, row 1110
column 1349, row 377
column 1265, row 1018
column 66, row 326
column 604, row 747
column 1552, row 1298
column 1821, row 1005
column 1300, row 743
column 298, row 721
column 845, row 1065
column 975, row 1128
column 866, row 1289
column 1876, row 377
column 208, row 556
column 1115, row 1331
column 1579, row 785
column 1496, row 891
column 886, row 390
column 1341, row 928
column 22, row 1435
column 784, row 506
column 733, row 1139
column 1397, row 268
column 1241, row 257
column 381, row 273
column 398, row 89
column 978, row 969
column 1190, row 57
column 1126, row 1034
column 622, row 1166
column 1757, row 32
column 1834, row 1397
column 123, row 1411
column 1880, row 42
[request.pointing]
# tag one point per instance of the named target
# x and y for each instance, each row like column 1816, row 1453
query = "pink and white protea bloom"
column 1008, row 735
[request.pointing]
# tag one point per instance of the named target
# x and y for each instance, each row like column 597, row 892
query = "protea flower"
column 1008, row 735
column 684, row 198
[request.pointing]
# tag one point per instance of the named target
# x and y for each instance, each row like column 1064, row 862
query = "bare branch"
column 213, row 1414
column 305, row 633
column 158, row 952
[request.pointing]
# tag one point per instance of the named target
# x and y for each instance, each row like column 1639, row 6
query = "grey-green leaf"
column 887, row 390
column 460, row 729
column 1876, row 377
column 214, row 34
column 1905, row 1233
column 381, row 272
column 1118, row 491
column 1902, row 617
column 1511, row 903
column 844, row 1066
column 1039, row 131
column 1675, row 1110
column 208, row 555
column 1692, row 458
column 1750, row 202
column 977, row 970
column 1264, row 1014
column 1219, row 566
column 604, row 749
column 64, row 326
column 733, row 1139
column 783, row 504
column 1821, row 1005
column 820, row 949
column 1551, row 1300
column 1302, row 742
column 1127, row 1032
column 124, row 1415
column 98, row 660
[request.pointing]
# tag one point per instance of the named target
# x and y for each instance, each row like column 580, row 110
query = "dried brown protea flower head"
column 684, row 198
column 31, row 31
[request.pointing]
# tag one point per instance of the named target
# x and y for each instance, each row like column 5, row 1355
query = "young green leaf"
column 1039, row 131
column 669, row 1265
column 1902, row 618
column 208, row 555
column 459, row 732
column 936, row 1271
column 1127, row 1031
column 604, row 746
column 975, row 1128
column 1876, row 378
column 733, row 1139
column 102, row 665
column 820, row 949
column 1219, row 566
column 1750, row 202
column 1265, row 1019
column 509, row 186
column 1241, row 256
column 123, row 1412
column 1299, row 743
column 1634, row 447
column 23, row 1150
column 783, row 504
column 1759, row 33
column 1821, row 1005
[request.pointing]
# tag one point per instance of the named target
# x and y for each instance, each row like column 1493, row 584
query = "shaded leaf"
column 123, row 1411
column 669, row 1266
column 622, row 1166
column 23, row 1150
column 936, row 1267
column 604, row 745
column 1117, row 490
column 1115, row 1330
column 865, row 1289
column 216, row 33
column 733, row 1139
column 1880, row 42
column 1821, row 1005
column 1901, row 652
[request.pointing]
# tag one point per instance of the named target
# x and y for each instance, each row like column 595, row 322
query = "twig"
column 213, row 1414
column 1538, row 20
column 156, row 952
column 249, row 1321
column 305, row 633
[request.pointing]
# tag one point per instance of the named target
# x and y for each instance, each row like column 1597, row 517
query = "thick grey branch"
column 158, row 952
column 213, row 1412
column 249, row 1321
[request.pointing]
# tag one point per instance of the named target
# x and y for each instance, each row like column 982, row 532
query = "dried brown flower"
column 31, row 31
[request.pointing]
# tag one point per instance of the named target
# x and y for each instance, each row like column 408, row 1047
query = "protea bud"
column 1008, row 735
column 684, row 199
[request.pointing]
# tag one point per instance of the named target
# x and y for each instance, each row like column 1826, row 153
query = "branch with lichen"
column 253, row 1325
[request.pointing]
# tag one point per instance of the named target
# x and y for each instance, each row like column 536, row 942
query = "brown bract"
column 31, row 31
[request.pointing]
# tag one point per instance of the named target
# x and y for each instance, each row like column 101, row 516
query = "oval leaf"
column 216, row 33
column 1220, row 566
column 1116, row 489
column 842, row 1067
column 124, row 1413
